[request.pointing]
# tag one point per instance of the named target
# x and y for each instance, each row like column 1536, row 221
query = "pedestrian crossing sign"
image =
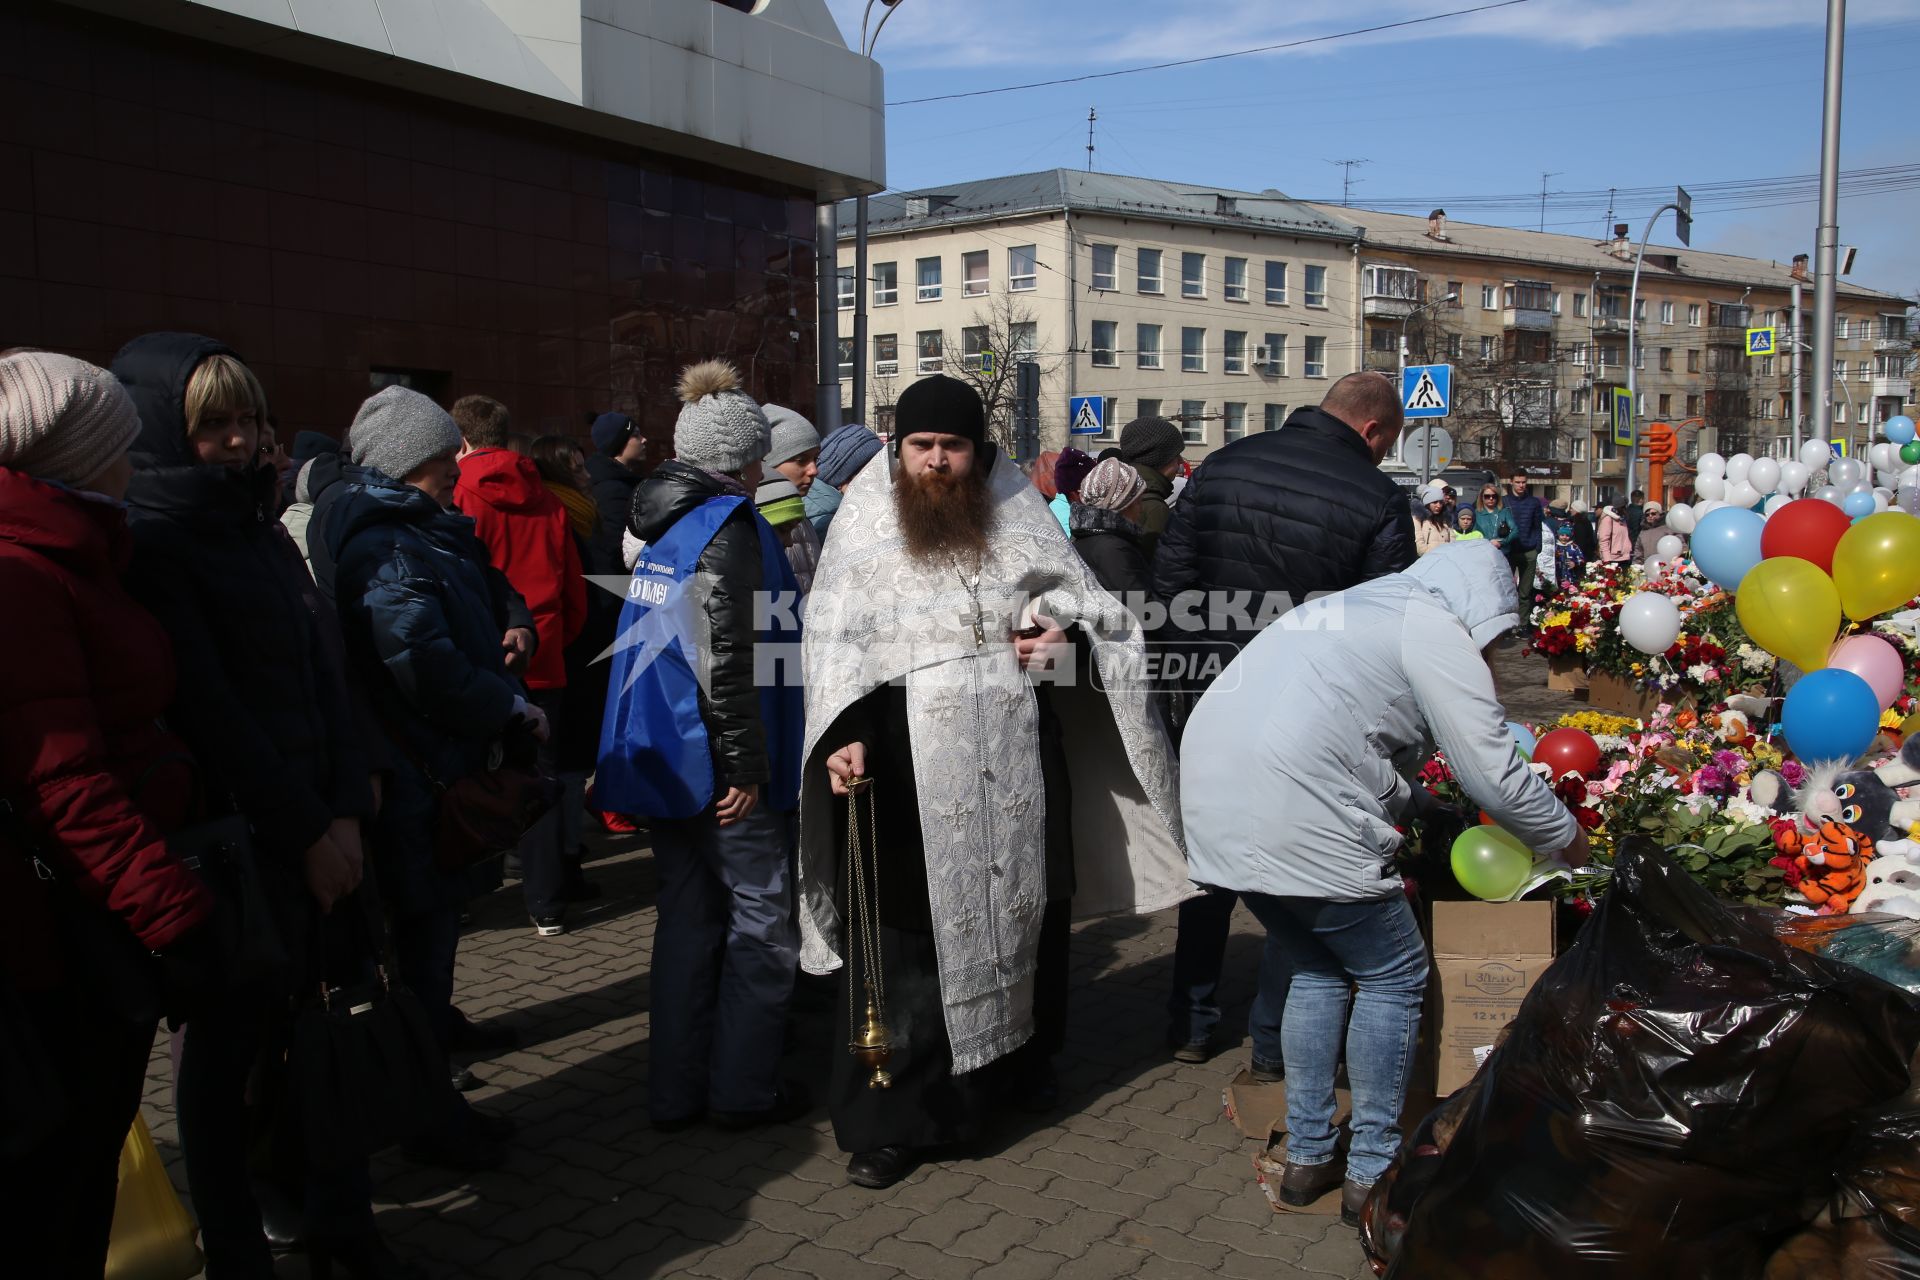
column 1760, row 341
column 1086, row 415
column 1622, row 418
column 1426, row 390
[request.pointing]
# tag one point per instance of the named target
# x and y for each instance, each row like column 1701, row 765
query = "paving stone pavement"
column 1138, row 1174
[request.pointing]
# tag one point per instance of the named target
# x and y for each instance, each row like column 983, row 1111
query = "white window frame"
column 1147, row 407
column 1489, row 298
column 1276, row 345
column 1106, row 281
column 1311, row 293
column 886, row 368
column 924, row 363
column 843, row 287
column 1281, row 300
column 1195, row 360
column 1192, row 429
column 888, row 295
column 972, row 286
column 1579, row 306
column 1019, row 281
column 1156, row 283
column 1145, row 355
column 1666, row 313
column 1234, row 357
column 1229, row 289
column 1272, row 416
column 973, row 345
column 1307, row 356
column 924, row 292
column 1693, row 315
column 846, row 359
column 1023, row 336
column 1108, row 356
column 1228, row 431
column 1193, row 284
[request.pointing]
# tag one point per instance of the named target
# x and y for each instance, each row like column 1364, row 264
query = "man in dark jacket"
column 1273, row 517
column 1152, row 446
column 1529, row 514
column 617, row 464
column 721, row 786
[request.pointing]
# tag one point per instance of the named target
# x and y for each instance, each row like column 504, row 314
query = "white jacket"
column 1291, row 771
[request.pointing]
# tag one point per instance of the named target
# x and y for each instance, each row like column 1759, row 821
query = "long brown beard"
column 942, row 514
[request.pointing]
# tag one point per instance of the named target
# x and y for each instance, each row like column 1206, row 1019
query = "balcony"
column 1381, row 362
column 1609, row 324
column 1887, row 386
column 1893, row 342
column 1536, row 319
column 1387, row 306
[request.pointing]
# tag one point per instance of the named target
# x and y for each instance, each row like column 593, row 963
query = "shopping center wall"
column 333, row 231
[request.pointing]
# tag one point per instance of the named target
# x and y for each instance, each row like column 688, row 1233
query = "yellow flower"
column 1890, row 719
column 1561, row 619
column 1598, row 723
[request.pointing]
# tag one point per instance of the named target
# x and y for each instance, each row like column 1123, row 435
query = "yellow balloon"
column 1791, row 609
column 1876, row 564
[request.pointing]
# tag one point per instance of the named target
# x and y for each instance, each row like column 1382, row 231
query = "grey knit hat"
column 793, row 435
column 1151, row 442
column 720, row 427
column 62, row 419
column 396, row 430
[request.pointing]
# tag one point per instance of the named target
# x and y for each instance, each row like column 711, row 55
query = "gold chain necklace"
column 871, row 1042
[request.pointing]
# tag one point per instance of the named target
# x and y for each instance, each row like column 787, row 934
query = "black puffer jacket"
column 1300, row 510
column 613, row 486
column 1111, row 545
column 730, row 704
column 262, row 700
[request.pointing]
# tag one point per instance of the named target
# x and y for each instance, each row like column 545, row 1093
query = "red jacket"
column 84, row 675
column 525, row 531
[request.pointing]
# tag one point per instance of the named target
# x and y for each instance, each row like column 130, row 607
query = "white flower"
column 1701, row 673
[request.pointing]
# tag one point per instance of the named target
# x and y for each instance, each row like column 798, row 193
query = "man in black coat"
column 616, row 466
column 1263, row 523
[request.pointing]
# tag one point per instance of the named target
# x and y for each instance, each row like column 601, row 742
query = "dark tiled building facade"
column 338, row 233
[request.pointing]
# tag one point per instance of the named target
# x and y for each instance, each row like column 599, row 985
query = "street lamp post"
column 1633, row 336
column 1426, row 452
column 860, row 352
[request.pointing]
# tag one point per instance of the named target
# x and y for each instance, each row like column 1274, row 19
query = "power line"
column 1211, row 57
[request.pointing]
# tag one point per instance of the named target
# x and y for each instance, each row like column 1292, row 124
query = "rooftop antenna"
column 1606, row 228
column 1543, row 196
column 1092, row 115
column 1346, row 183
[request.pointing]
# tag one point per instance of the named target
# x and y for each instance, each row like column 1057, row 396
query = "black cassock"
column 929, row 1106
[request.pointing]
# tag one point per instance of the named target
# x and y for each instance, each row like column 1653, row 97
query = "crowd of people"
column 322, row 642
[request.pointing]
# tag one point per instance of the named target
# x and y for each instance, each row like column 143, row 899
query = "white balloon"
column 1882, row 499
column 1814, row 454
column 1670, row 547
column 1862, row 485
column 1793, row 477
column 1742, row 494
column 1649, row 621
column 1774, row 503
column 1907, row 495
column 1653, row 566
column 1830, row 493
column 1701, row 508
column 1845, row 472
column 1711, row 464
column 1713, row 487
column 1682, row 517
column 1882, row 456
column 1737, row 467
column 1764, row 475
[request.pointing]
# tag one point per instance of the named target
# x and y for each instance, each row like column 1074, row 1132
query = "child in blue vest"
column 702, row 735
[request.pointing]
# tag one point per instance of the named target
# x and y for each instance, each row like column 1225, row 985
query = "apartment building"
column 1536, row 327
column 1221, row 310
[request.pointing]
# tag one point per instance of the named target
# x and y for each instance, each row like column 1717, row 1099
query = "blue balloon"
column 1830, row 714
column 1522, row 738
column 1726, row 543
column 1858, row 504
column 1899, row 429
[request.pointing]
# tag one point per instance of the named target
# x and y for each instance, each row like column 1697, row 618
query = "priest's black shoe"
column 882, row 1168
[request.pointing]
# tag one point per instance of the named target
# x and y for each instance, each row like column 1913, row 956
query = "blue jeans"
column 1376, row 946
column 725, row 953
column 1199, row 953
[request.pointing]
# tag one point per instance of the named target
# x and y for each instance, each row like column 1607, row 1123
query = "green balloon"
column 1490, row 863
column 1910, row 452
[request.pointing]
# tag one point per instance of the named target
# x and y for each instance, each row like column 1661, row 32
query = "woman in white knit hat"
column 90, row 785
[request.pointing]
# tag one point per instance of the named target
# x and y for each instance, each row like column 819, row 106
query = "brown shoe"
column 1353, row 1198
column 1302, row 1184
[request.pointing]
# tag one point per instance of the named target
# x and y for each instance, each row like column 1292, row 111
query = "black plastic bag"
column 1676, row 1098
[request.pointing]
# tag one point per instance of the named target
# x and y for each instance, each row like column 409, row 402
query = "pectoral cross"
column 972, row 584
column 979, row 627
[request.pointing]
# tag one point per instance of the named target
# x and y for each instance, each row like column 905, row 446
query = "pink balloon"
column 1874, row 660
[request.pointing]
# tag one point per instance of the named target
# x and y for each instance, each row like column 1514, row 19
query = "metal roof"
column 1580, row 253
column 1051, row 190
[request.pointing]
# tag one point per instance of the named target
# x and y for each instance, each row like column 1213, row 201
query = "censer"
column 871, row 1043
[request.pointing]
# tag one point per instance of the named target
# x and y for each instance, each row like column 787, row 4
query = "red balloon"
column 1568, row 751
column 1807, row 528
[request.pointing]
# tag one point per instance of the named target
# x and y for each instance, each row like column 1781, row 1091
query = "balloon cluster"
column 1489, row 861
column 1796, row 562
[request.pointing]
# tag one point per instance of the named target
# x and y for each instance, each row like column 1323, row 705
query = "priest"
column 990, row 708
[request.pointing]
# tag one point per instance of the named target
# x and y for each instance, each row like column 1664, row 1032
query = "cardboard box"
column 1566, row 673
column 1486, row 957
column 1256, row 1109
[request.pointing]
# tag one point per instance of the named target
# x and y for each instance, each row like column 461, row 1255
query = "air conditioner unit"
column 1263, row 360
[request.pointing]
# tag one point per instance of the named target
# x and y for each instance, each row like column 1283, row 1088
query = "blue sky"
column 1601, row 93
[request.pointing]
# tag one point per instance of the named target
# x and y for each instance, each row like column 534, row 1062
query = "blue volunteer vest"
column 655, row 756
